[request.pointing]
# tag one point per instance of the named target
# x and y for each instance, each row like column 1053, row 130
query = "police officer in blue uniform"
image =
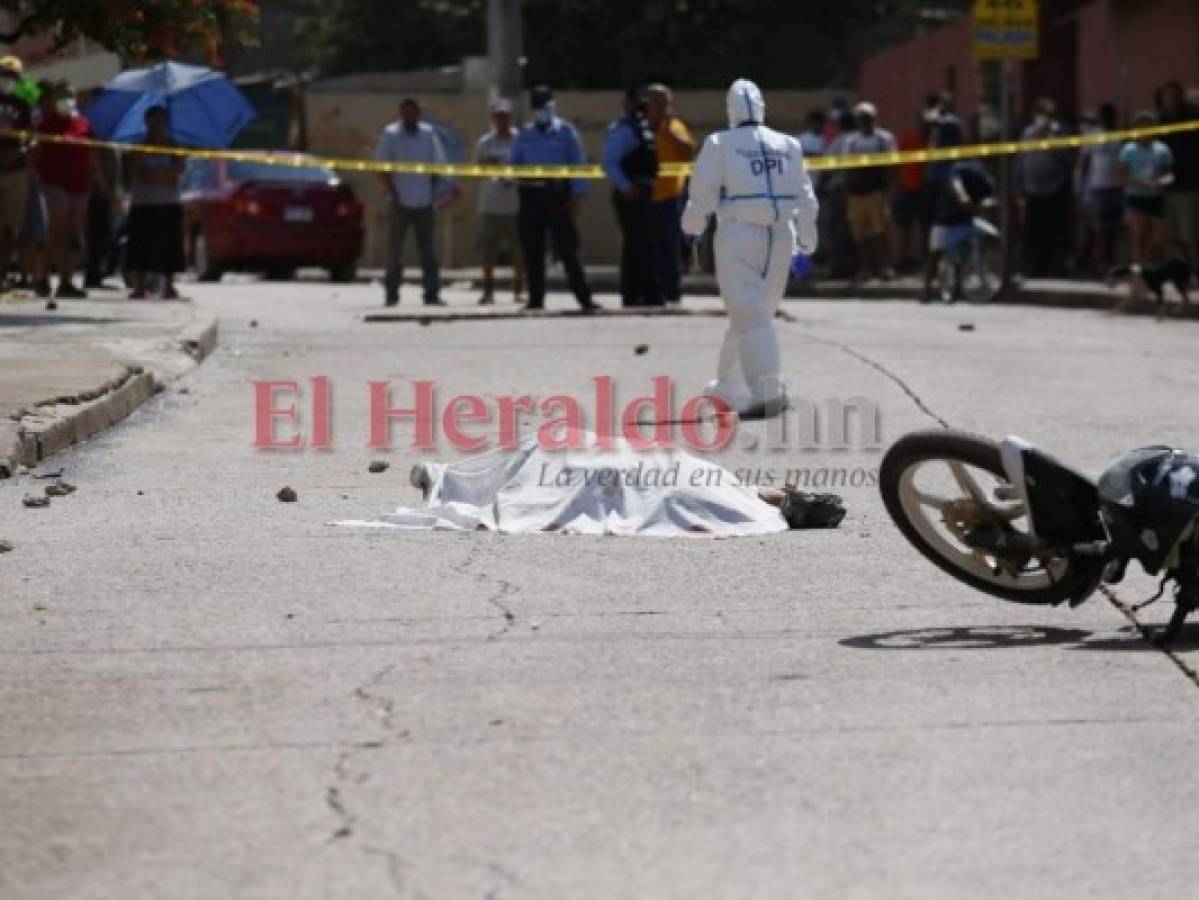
column 630, row 161
column 550, row 205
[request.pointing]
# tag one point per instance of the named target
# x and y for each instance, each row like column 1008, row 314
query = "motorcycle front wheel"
column 940, row 486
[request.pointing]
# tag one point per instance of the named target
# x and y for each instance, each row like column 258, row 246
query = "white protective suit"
column 754, row 180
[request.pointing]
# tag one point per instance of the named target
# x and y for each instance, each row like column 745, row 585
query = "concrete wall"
column 1129, row 48
column 897, row 80
column 1122, row 50
column 343, row 123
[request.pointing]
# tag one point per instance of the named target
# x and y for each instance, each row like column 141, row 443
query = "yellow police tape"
column 475, row 170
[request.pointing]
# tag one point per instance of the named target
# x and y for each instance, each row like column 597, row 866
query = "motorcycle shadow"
column 1006, row 637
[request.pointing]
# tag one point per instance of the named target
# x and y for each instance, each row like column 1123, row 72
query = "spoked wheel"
column 942, row 487
column 981, row 275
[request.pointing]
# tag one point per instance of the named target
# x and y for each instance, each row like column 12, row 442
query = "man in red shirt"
column 65, row 171
column 910, row 210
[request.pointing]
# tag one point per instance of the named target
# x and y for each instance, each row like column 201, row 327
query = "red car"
column 258, row 217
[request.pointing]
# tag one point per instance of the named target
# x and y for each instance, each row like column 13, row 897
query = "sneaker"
column 486, row 300
column 391, row 300
column 588, row 305
column 42, row 287
column 766, row 409
column 51, row 305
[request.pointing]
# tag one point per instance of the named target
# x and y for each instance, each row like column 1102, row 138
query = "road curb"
column 1091, row 296
column 55, row 424
column 52, row 428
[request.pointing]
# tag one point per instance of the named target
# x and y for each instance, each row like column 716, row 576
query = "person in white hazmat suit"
column 753, row 179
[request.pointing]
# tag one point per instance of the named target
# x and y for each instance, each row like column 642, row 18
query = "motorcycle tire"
column 925, row 446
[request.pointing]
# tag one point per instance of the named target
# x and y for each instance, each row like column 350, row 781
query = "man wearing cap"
column 412, row 199
column 630, row 161
column 550, row 204
column 868, row 189
column 498, row 204
column 15, row 115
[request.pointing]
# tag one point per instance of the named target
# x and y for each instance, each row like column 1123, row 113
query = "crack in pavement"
column 348, row 820
column 504, row 589
column 882, row 370
column 1129, row 613
column 384, row 707
column 1124, row 609
column 345, row 774
column 395, row 867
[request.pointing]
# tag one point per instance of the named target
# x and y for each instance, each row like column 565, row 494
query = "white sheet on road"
column 660, row 493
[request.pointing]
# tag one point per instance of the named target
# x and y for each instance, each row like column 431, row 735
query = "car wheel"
column 206, row 269
column 344, row 273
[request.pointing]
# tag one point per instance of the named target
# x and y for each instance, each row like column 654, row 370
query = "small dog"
column 1143, row 280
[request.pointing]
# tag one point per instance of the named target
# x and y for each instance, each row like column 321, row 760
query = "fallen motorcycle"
column 1009, row 519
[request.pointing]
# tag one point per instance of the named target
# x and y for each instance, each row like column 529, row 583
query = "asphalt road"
column 207, row 693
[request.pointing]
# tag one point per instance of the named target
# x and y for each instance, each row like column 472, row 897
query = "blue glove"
column 801, row 265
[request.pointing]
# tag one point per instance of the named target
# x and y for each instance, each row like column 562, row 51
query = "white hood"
column 745, row 103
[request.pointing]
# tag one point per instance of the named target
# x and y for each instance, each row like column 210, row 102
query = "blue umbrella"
column 206, row 109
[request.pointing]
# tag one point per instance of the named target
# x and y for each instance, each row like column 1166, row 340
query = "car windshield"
column 257, row 171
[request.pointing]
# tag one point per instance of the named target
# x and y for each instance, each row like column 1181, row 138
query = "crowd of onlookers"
column 59, row 209
column 1089, row 211
column 518, row 220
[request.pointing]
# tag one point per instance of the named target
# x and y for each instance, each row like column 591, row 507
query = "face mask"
column 7, row 85
column 543, row 115
column 65, row 107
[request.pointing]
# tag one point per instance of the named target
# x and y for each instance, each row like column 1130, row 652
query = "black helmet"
column 1150, row 499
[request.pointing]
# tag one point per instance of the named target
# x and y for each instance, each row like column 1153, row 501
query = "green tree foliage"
column 340, row 36
column 608, row 43
column 141, row 30
column 599, row 43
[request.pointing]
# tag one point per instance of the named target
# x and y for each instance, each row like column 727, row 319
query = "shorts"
column 14, row 199
column 62, row 203
column 936, row 237
column 867, row 216
column 497, row 234
column 1154, row 207
column 155, row 239
column 1182, row 208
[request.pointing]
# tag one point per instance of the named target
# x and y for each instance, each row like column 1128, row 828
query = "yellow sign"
column 1005, row 29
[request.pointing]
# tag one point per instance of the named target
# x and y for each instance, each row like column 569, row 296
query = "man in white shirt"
column 753, row 179
column 869, row 191
column 498, row 229
column 412, row 199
